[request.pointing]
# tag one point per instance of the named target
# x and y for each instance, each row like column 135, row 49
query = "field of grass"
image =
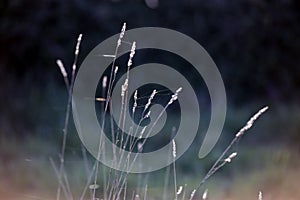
column 44, row 167
column 26, row 173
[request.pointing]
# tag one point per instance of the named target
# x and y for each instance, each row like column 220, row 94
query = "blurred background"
column 254, row 43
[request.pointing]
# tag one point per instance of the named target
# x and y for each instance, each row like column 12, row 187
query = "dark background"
column 255, row 45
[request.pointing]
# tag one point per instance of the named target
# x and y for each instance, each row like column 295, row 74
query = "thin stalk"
column 106, row 105
column 67, row 116
column 216, row 166
column 59, row 177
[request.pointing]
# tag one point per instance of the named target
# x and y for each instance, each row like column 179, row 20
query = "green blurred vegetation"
column 26, row 172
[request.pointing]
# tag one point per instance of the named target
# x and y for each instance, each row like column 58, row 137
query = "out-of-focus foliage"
column 255, row 43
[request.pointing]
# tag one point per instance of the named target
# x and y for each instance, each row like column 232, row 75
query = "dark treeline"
column 254, row 43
